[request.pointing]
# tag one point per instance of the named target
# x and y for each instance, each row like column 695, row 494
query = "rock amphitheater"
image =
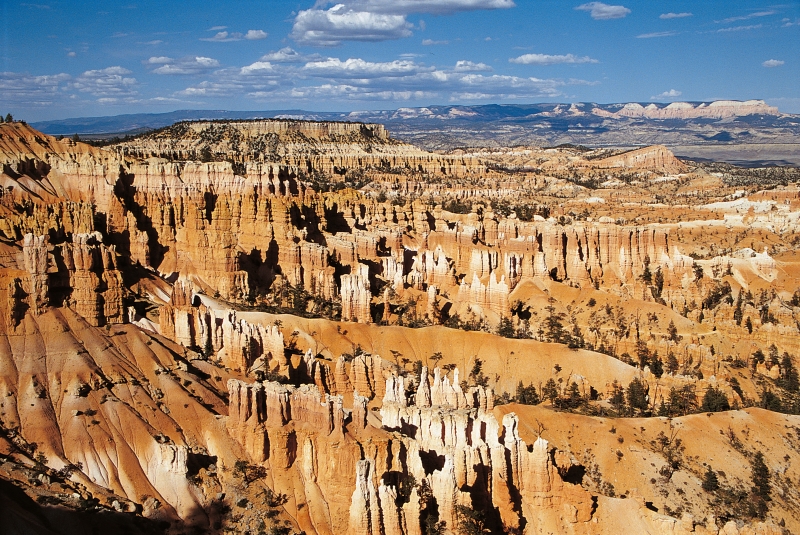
column 279, row 326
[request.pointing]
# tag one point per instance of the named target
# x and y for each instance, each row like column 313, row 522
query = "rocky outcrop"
column 82, row 274
column 719, row 109
column 356, row 296
column 656, row 157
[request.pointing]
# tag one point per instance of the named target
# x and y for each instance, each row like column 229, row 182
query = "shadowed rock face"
column 167, row 319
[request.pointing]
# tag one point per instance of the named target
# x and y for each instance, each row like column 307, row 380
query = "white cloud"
column 109, row 82
column 435, row 7
column 288, row 55
column 547, row 59
column 227, row 37
column 22, row 89
column 601, row 11
column 773, row 63
column 748, row 16
column 672, row 93
column 358, row 68
column 255, row 35
column 356, row 79
column 159, row 60
column 217, row 28
column 740, row 28
column 259, row 67
column 469, row 66
column 331, row 27
column 656, row 34
column 374, row 20
column 183, row 66
column 71, row 54
column 431, row 42
column 671, row 15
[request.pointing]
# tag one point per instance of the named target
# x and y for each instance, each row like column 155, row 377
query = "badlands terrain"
column 283, row 326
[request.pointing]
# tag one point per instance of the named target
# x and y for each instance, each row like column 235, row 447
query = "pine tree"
column 657, row 368
column 526, row 395
column 550, row 391
column 790, row 380
column 637, row 396
column 574, row 398
column 672, row 363
column 710, row 481
column 617, row 397
column 715, row 400
column 672, row 332
column 761, row 485
column 658, row 283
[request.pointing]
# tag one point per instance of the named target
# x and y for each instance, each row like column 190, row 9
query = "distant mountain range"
column 683, row 126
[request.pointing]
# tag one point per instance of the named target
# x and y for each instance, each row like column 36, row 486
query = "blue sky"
column 68, row 58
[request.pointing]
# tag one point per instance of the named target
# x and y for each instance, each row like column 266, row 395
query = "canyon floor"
column 284, row 326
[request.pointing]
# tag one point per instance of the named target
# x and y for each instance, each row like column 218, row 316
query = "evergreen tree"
column 789, row 379
column 506, row 328
column 554, row 326
column 574, row 398
column 643, row 353
column 761, row 485
column 715, row 400
column 657, row 367
column 637, row 396
column 647, row 275
column 710, row 481
column 617, row 397
column 672, row 332
column 9, row 118
column 672, row 363
column 527, row 395
column 469, row 521
column 658, row 283
column 771, row 402
column 550, row 391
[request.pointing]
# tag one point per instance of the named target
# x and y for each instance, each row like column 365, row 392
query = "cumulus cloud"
column 258, row 68
column 331, row 27
column 23, row 89
column 357, row 79
column 773, row 63
column 255, row 35
column 671, row 15
column 656, row 34
column 159, row 60
column 227, row 37
column 469, row 66
column 183, row 66
column 672, row 93
column 374, row 20
column 358, row 68
column 109, row 82
column 601, row 11
column 289, row 55
column 547, row 59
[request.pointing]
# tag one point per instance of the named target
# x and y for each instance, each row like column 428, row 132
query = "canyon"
column 288, row 326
